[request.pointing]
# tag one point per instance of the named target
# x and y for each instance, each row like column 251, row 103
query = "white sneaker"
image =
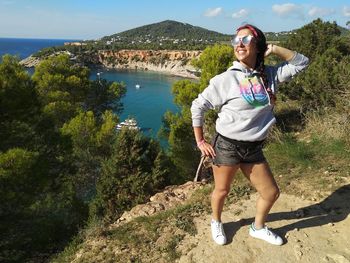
column 265, row 234
column 217, row 232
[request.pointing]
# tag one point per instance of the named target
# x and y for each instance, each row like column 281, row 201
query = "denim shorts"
column 231, row 152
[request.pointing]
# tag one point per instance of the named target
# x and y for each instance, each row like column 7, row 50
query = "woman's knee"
column 220, row 193
column 274, row 194
column 271, row 195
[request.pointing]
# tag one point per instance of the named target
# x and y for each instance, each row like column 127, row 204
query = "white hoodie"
column 245, row 111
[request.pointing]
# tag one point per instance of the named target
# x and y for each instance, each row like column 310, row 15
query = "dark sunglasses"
column 245, row 40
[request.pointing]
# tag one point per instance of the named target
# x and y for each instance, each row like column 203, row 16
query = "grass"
column 141, row 236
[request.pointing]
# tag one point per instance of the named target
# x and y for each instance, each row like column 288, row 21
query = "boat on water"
column 137, row 86
column 130, row 124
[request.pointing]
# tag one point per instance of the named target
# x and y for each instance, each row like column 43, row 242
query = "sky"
column 93, row 19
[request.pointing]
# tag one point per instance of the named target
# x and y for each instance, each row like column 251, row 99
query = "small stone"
column 298, row 252
column 326, row 259
column 333, row 212
column 299, row 213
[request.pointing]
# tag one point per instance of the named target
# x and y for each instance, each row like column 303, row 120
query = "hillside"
column 174, row 227
column 167, row 33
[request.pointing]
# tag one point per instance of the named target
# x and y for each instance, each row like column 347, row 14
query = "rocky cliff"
column 171, row 62
column 166, row 61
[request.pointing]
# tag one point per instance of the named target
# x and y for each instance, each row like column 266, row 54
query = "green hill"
column 165, row 35
column 169, row 29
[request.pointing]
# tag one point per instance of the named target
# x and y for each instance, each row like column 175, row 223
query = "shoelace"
column 269, row 232
column 218, row 229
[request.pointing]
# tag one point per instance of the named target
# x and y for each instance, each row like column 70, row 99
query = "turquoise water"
column 148, row 103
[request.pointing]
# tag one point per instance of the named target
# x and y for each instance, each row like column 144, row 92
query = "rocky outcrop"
column 166, row 61
column 170, row 197
column 30, row 62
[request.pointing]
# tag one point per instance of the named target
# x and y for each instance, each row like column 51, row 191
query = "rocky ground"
column 315, row 228
column 312, row 231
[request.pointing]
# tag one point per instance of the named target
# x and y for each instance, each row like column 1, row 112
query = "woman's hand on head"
column 269, row 50
column 207, row 149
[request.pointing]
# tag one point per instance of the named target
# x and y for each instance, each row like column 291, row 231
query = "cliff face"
column 167, row 61
column 171, row 62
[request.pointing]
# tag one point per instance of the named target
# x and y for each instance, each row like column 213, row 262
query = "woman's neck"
column 248, row 64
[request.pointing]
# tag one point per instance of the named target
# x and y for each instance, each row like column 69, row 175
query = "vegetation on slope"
column 64, row 168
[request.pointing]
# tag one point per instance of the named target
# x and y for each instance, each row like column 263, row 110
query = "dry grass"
column 330, row 125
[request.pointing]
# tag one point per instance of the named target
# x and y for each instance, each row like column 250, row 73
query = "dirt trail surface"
column 313, row 231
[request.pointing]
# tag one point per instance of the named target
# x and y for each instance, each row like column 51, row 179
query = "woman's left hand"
column 269, row 50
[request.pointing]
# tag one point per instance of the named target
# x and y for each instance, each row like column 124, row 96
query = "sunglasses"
column 244, row 40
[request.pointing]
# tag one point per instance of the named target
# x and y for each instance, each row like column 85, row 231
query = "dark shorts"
column 231, row 152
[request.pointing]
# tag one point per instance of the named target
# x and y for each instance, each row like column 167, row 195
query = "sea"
column 148, row 94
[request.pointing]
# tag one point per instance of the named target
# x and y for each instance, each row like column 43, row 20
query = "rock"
column 166, row 61
column 170, row 197
column 30, row 62
column 338, row 258
column 297, row 251
column 300, row 213
column 333, row 212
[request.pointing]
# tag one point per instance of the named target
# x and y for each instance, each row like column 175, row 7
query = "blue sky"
column 91, row 19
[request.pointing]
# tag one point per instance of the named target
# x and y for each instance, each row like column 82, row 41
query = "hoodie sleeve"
column 286, row 70
column 212, row 97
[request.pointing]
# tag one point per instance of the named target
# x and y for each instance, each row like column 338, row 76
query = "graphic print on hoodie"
column 253, row 91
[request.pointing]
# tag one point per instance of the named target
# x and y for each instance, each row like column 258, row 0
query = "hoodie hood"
column 236, row 65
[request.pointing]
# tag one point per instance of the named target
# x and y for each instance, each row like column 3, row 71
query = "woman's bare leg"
column 262, row 179
column 223, row 176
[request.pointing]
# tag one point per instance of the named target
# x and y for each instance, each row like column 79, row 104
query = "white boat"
column 137, row 86
column 130, row 124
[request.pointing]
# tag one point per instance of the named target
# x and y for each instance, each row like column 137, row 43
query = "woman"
column 245, row 96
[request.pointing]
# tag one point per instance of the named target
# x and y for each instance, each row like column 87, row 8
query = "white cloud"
column 212, row 12
column 241, row 13
column 346, row 11
column 288, row 10
column 319, row 12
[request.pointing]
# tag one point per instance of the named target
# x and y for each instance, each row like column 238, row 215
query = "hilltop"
column 165, row 34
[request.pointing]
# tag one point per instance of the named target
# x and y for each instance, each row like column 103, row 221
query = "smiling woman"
column 245, row 97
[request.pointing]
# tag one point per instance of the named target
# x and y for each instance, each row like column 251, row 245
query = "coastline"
column 171, row 62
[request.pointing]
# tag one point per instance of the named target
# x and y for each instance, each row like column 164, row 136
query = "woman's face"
column 246, row 53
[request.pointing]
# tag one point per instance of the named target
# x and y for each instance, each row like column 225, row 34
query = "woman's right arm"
column 204, row 147
column 210, row 98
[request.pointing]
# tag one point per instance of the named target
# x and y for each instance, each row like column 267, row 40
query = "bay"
column 148, row 103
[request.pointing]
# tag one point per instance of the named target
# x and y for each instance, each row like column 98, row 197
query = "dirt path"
column 312, row 231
